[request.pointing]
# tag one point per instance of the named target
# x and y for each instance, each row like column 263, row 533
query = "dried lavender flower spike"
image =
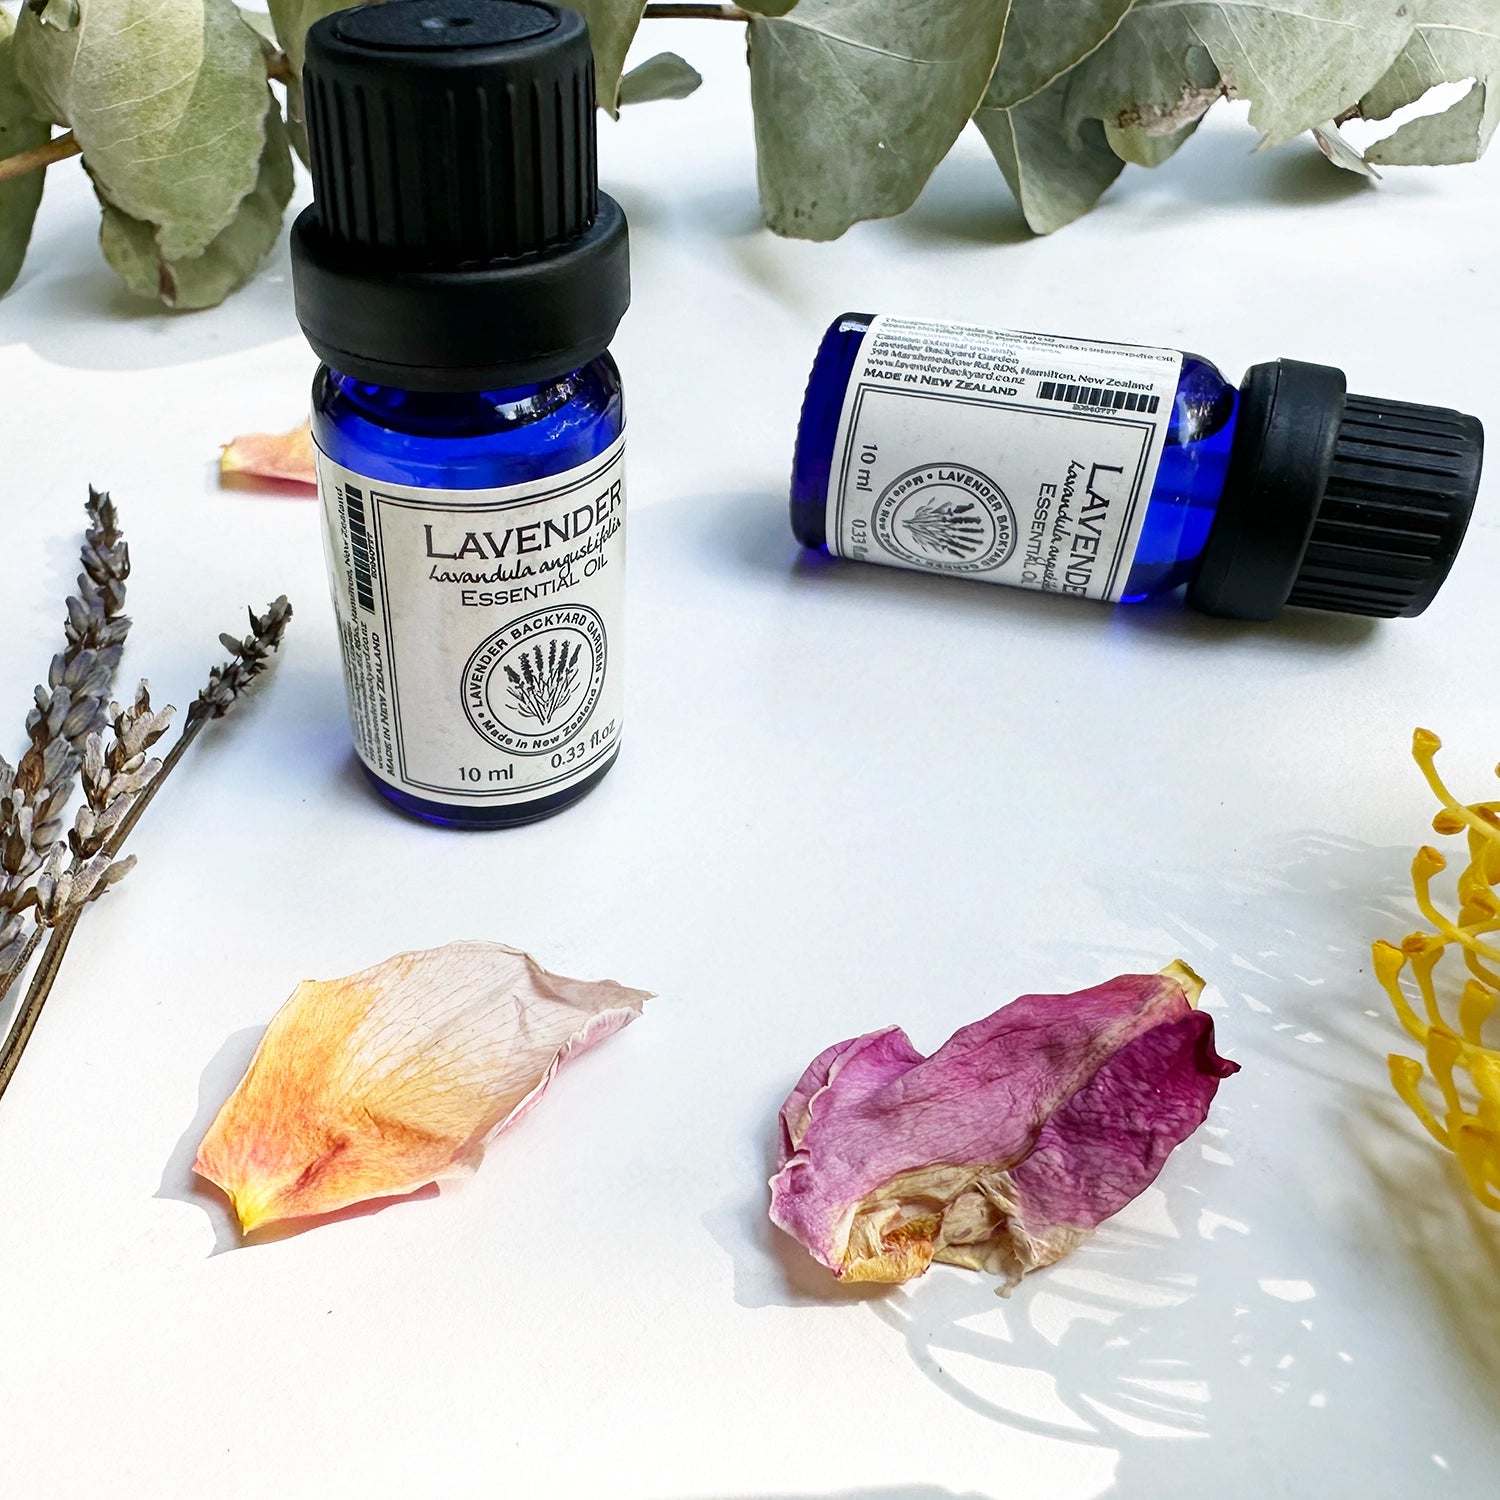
column 248, row 658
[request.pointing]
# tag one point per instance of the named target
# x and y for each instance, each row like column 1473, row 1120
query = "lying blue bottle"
column 1120, row 473
column 460, row 275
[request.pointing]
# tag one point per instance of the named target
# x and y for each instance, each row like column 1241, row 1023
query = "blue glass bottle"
column 1183, row 500
column 478, row 440
column 460, row 277
column 1287, row 491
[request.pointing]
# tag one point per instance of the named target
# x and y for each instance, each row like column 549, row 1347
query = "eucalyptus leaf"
column 167, row 99
column 296, row 122
column 1143, row 146
column 1056, row 169
column 1298, row 62
column 856, row 101
column 132, row 246
column 1333, row 144
column 261, row 24
column 612, row 27
column 291, row 18
column 21, row 129
column 1459, row 134
column 665, row 76
column 1452, row 40
column 1044, row 39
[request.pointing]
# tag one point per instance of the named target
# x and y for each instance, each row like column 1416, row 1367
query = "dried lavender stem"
column 175, row 754
column 36, row 998
column 8, row 979
column 248, row 658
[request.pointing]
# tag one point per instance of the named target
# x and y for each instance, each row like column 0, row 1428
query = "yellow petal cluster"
column 382, row 1082
column 1466, row 1072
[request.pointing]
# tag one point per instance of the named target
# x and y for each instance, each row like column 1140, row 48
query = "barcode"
column 1098, row 395
column 359, row 547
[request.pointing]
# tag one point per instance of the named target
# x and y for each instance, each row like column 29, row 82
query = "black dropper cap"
column 1336, row 502
column 457, row 238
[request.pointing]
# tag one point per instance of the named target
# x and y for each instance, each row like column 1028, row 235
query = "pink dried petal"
column 1008, row 1145
column 272, row 455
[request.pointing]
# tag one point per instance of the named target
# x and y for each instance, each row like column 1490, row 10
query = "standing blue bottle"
column 1120, row 473
column 461, row 276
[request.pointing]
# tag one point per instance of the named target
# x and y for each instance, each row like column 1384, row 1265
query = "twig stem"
column 52, row 956
column 175, row 754
column 59, row 148
column 18, row 968
column 36, row 998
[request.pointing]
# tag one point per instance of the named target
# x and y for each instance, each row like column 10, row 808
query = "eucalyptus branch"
column 59, row 148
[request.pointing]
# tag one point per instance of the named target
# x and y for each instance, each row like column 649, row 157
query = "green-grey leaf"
column 1452, row 40
column 167, row 98
column 1332, row 143
column 296, row 122
column 1056, row 170
column 259, row 22
column 291, row 18
column 665, row 76
column 1144, row 146
column 767, row 7
column 856, row 101
column 1299, row 62
column 612, row 26
column 1459, row 134
column 63, row 14
column 203, row 280
column 20, row 130
column 1043, row 39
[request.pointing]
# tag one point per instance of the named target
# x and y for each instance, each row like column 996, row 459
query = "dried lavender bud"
column 72, row 705
column 248, row 658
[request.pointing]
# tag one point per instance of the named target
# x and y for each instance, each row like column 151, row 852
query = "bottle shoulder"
column 468, row 439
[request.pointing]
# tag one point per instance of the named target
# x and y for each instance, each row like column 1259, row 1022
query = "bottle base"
column 449, row 815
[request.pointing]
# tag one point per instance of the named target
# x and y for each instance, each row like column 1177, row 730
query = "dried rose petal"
column 379, row 1083
column 272, row 455
column 1008, row 1145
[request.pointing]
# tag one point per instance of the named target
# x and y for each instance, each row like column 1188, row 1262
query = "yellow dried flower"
column 1464, row 1070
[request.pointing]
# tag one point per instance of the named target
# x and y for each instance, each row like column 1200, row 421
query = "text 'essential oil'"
column 461, row 276
column 1115, row 472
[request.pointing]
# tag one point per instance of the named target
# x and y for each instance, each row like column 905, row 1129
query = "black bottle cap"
column 457, row 238
column 1336, row 502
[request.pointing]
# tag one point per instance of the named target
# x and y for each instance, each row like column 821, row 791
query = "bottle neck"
column 450, row 413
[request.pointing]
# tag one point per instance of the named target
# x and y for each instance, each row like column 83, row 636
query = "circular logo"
column 533, row 684
column 946, row 517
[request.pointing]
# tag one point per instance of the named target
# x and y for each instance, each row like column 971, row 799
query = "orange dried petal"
column 272, row 455
column 377, row 1084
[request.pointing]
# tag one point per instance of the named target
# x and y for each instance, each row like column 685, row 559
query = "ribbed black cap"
column 1337, row 502
column 457, row 238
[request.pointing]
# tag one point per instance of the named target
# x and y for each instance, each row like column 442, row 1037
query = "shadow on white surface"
column 1192, row 1323
column 1301, row 996
column 748, row 534
column 72, row 310
column 178, row 1180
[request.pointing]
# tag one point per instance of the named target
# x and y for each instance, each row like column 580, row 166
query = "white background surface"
column 848, row 796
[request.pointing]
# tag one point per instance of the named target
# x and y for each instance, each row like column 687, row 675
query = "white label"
column 1009, row 457
column 481, row 629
